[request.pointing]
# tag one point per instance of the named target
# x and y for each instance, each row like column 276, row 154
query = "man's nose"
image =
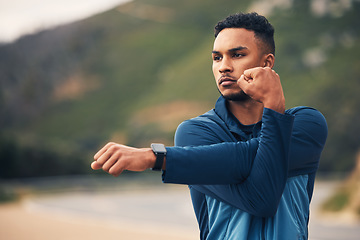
column 225, row 66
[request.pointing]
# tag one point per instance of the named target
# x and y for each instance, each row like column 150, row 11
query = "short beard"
column 236, row 97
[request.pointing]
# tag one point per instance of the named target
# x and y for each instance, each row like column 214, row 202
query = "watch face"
column 159, row 148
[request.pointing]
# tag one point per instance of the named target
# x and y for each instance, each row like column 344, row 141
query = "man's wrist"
column 278, row 105
column 159, row 151
column 150, row 157
column 152, row 160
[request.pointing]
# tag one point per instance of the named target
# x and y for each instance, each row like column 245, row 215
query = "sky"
column 19, row 17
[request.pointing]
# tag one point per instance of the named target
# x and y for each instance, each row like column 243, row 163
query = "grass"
column 338, row 201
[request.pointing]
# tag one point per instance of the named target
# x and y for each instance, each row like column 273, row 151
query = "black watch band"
column 160, row 152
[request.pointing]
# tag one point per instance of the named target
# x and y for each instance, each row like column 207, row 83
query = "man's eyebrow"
column 237, row 49
column 232, row 49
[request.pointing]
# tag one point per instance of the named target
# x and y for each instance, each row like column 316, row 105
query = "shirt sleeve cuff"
column 286, row 116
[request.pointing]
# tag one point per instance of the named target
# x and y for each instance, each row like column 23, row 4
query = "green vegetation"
column 7, row 195
column 346, row 198
column 65, row 92
column 338, row 201
column 39, row 160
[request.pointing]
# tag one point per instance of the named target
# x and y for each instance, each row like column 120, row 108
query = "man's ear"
column 269, row 60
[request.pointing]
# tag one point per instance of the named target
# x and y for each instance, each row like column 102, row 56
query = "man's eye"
column 238, row 55
column 216, row 58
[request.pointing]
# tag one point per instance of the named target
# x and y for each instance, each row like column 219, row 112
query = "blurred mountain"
column 133, row 73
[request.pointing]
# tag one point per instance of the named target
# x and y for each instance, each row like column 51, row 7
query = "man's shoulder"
column 209, row 122
column 205, row 129
column 302, row 110
column 308, row 113
column 206, row 118
column 310, row 121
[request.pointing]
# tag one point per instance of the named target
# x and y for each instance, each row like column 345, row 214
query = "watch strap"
column 160, row 155
column 159, row 161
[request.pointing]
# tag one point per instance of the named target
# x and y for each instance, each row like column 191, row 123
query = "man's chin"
column 236, row 97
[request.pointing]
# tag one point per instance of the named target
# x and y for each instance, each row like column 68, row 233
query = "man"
column 250, row 164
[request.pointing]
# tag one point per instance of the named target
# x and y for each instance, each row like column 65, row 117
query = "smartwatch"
column 160, row 152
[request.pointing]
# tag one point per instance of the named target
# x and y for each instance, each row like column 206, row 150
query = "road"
column 164, row 208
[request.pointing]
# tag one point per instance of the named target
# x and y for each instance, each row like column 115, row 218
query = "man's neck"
column 247, row 112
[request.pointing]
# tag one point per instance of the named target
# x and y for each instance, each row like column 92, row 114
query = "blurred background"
column 77, row 74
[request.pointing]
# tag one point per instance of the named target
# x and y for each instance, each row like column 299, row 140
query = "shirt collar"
column 231, row 121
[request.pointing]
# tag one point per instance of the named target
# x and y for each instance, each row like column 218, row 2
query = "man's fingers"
column 243, row 83
column 115, row 158
column 116, row 170
column 104, row 154
column 95, row 165
column 110, row 162
column 250, row 73
column 103, row 150
column 99, row 153
column 106, row 159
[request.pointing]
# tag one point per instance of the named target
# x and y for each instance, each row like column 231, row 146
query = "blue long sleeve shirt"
column 249, row 182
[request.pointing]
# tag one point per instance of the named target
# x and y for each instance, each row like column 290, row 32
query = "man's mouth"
column 226, row 80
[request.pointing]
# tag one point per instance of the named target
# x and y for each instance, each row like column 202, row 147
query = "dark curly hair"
column 263, row 30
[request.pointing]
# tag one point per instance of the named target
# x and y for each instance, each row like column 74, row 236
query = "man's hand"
column 115, row 158
column 263, row 85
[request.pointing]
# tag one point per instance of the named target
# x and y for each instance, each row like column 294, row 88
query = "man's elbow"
column 266, row 208
column 269, row 210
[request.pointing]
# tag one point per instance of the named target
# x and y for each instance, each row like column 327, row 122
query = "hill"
column 133, row 73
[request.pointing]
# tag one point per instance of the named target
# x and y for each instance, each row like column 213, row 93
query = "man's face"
column 235, row 50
